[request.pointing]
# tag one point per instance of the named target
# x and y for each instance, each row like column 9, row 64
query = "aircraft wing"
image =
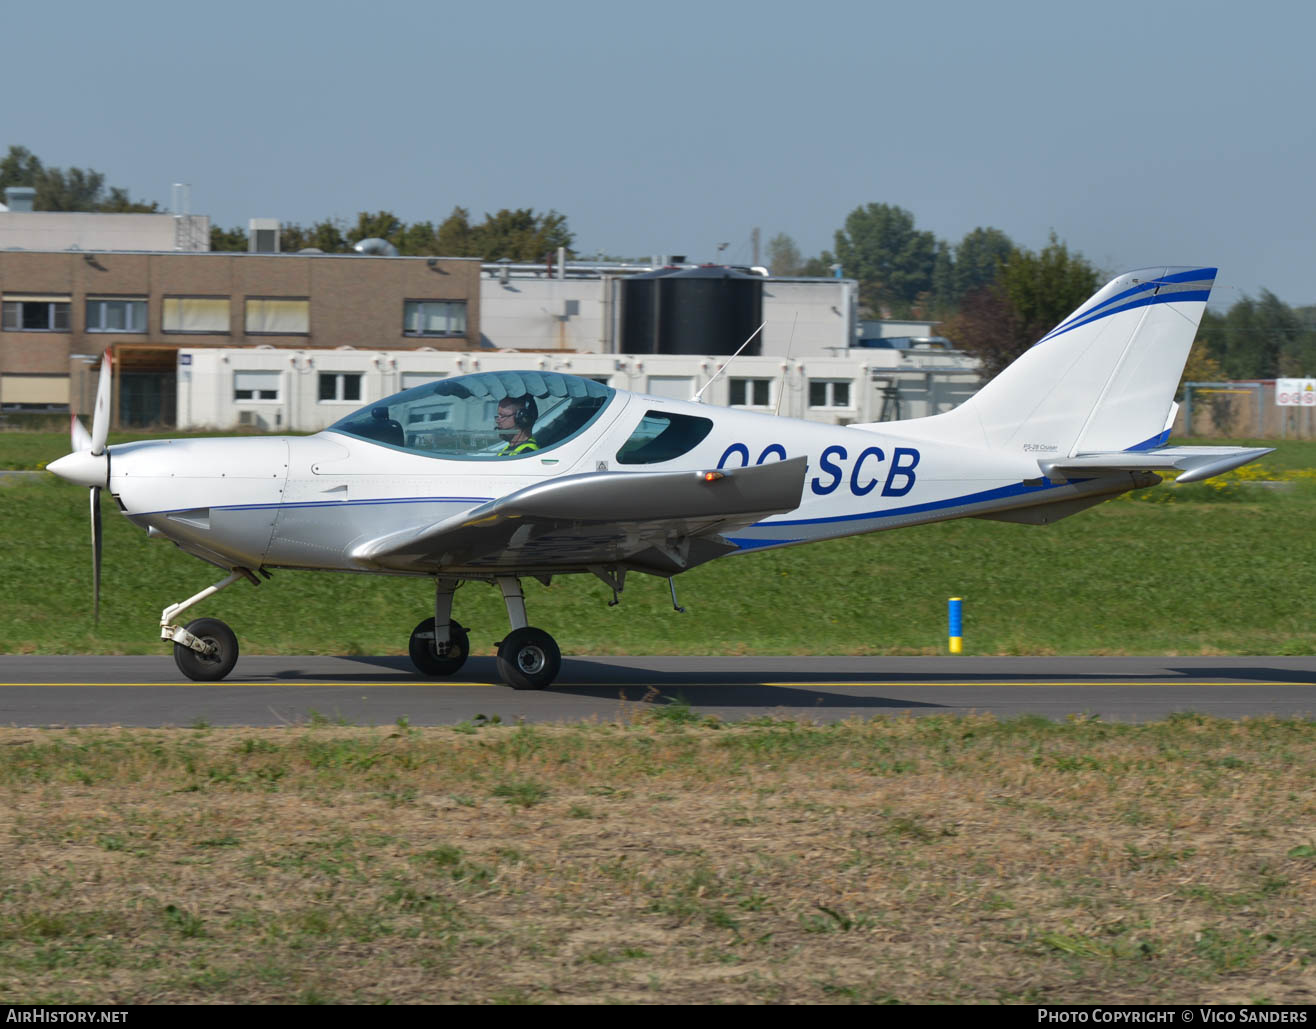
column 658, row 522
column 1194, row 463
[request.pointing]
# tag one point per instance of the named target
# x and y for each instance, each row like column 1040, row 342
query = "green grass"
column 1210, row 568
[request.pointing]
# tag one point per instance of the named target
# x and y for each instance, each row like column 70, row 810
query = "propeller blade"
column 96, row 553
column 100, row 419
column 81, row 437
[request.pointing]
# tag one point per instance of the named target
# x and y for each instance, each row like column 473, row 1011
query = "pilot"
column 514, row 421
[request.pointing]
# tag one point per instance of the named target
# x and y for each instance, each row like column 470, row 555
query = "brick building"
column 63, row 309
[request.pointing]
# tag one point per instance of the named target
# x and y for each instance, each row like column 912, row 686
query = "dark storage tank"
column 709, row 310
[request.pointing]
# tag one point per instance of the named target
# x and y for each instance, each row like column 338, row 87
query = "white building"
column 21, row 228
column 577, row 306
column 305, row 390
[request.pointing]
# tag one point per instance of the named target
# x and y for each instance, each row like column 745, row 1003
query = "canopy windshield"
column 457, row 417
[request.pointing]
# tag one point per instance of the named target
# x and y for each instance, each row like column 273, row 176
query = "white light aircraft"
column 498, row 476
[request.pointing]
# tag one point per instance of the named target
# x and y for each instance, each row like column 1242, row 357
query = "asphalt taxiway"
column 282, row 690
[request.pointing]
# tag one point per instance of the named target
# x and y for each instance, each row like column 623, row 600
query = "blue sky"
column 1139, row 133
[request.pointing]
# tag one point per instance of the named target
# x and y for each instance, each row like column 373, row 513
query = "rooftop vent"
column 263, row 236
column 20, row 198
column 376, row 247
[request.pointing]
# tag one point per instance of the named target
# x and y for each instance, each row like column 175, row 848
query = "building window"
column 22, row 392
column 673, row 387
column 411, row 379
column 340, row 386
column 434, row 318
column 829, row 392
column 36, row 314
column 108, row 314
column 751, row 392
column 278, row 317
column 256, row 385
column 196, row 314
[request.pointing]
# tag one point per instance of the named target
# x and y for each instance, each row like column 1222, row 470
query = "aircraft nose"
column 82, row 468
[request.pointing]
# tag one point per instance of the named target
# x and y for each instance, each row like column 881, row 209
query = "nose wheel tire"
column 425, row 654
column 528, row 659
column 208, row 667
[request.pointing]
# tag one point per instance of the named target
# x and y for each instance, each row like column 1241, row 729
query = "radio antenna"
column 728, row 364
column 786, row 364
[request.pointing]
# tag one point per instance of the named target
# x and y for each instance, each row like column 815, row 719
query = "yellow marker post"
column 955, row 618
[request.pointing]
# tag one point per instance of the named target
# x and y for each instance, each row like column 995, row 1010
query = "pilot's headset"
column 527, row 413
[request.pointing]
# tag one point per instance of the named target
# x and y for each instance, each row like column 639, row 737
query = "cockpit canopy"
column 454, row 418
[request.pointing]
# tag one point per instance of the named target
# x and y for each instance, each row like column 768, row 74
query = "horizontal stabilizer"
column 1195, row 463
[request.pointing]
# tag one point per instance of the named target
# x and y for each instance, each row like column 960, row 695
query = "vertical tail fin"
column 1102, row 380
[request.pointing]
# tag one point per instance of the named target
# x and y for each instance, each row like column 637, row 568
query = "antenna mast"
column 786, row 364
column 710, row 382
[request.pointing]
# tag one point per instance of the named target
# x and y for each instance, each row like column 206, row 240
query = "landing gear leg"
column 439, row 646
column 205, row 650
column 528, row 659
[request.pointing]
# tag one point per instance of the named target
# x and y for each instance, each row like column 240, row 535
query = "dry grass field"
column 667, row 859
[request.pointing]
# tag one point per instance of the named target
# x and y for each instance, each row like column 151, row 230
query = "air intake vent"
column 263, row 236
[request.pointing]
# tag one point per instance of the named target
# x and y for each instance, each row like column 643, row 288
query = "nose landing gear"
column 219, row 657
column 205, row 650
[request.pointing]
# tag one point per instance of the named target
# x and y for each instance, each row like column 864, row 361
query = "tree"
column 1200, row 367
column 418, row 240
column 820, row 267
column 517, row 235
column 20, row 167
column 1046, row 287
column 455, row 237
column 978, row 259
column 1260, row 339
column 784, row 257
column 77, row 189
column 944, row 295
column 892, row 260
column 1030, row 296
column 383, row 225
column 987, row 327
column 521, row 235
column 118, row 202
column 227, row 239
column 325, row 236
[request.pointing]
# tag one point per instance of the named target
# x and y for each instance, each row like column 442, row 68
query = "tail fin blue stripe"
column 1167, row 298
column 1193, row 275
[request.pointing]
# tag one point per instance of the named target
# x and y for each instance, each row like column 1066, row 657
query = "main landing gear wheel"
column 208, row 667
column 425, row 654
column 528, row 659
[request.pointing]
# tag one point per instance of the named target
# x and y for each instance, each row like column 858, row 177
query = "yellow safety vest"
column 520, row 448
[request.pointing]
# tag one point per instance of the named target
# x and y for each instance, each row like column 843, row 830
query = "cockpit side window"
column 458, row 417
column 663, row 436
